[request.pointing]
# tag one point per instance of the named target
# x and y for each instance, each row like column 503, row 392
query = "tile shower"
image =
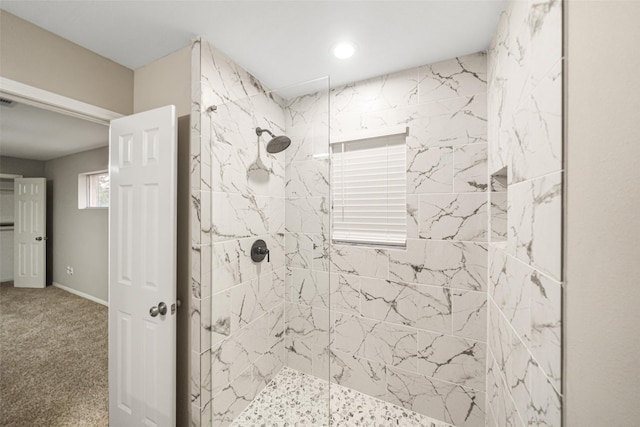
column 462, row 326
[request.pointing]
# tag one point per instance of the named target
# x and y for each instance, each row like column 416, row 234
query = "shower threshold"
column 293, row 398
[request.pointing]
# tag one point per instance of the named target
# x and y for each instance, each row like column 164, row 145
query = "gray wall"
column 77, row 238
column 24, row 167
column 602, row 225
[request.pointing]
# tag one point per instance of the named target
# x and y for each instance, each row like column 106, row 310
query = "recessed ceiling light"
column 343, row 50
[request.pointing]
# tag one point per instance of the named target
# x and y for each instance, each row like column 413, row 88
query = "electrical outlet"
column 69, row 270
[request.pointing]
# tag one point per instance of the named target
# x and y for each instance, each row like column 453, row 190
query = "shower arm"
column 259, row 132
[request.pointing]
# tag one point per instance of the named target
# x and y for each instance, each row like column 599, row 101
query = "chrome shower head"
column 277, row 143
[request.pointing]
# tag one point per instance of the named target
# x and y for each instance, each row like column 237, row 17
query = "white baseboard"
column 80, row 294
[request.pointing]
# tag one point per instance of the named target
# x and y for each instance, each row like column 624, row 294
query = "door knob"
column 162, row 308
column 39, row 239
column 158, row 309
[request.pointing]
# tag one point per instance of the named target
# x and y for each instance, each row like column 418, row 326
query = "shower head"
column 277, row 143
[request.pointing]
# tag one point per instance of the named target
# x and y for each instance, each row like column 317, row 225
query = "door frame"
column 11, row 176
column 30, row 95
column 37, row 97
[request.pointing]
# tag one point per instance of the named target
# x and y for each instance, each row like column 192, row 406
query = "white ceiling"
column 280, row 42
column 33, row 133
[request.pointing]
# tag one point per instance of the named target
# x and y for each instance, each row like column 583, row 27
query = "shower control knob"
column 259, row 250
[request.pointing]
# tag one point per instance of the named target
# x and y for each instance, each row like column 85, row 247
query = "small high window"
column 369, row 190
column 93, row 190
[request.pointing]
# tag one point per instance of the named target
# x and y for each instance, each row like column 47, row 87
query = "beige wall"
column 24, row 167
column 77, row 237
column 36, row 57
column 163, row 82
column 602, row 223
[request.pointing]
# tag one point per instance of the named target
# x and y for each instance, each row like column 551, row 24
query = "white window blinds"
column 369, row 190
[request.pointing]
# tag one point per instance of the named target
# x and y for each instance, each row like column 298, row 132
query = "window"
column 93, row 190
column 369, row 190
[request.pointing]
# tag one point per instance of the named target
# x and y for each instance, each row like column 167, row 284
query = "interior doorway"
column 53, row 357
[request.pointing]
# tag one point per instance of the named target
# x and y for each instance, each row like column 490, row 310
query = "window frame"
column 362, row 138
column 84, row 189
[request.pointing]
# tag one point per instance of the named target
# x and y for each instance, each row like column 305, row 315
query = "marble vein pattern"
column 453, row 78
column 525, row 68
column 359, row 261
column 450, row 122
column 535, row 222
column 429, row 170
column 539, row 125
column 453, row 217
column 242, row 322
column 363, row 375
column 378, row 94
column 308, row 287
column 294, row 398
column 457, row 360
column 199, row 308
column 440, row 263
column 384, row 299
column 470, row 168
column 386, row 343
column 344, row 293
column 266, row 316
column 498, row 216
column 469, row 314
column 413, row 216
column 454, row 404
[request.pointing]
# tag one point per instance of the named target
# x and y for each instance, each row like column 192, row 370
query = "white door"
column 142, row 269
column 30, row 227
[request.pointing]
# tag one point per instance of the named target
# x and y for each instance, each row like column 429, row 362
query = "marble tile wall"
column 408, row 325
column 525, row 290
column 307, row 234
column 239, row 196
column 197, row 329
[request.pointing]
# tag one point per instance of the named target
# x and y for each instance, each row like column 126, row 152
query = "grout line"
column 530, row 354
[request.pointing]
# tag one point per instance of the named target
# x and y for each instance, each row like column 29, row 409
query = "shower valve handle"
column 259, row 250
column 263, row 251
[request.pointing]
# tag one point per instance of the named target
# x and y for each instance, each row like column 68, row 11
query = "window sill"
column 369, row 245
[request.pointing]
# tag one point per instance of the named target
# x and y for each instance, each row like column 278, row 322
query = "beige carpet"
column 53, row 359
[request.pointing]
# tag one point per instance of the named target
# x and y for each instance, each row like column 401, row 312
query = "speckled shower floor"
column 294, row 399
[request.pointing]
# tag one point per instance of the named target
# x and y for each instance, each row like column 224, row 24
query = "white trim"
column 368, row 134
column 9, row 176
column 34, row 96
column 80, row 294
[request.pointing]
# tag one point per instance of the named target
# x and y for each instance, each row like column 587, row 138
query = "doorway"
column 54, row 339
